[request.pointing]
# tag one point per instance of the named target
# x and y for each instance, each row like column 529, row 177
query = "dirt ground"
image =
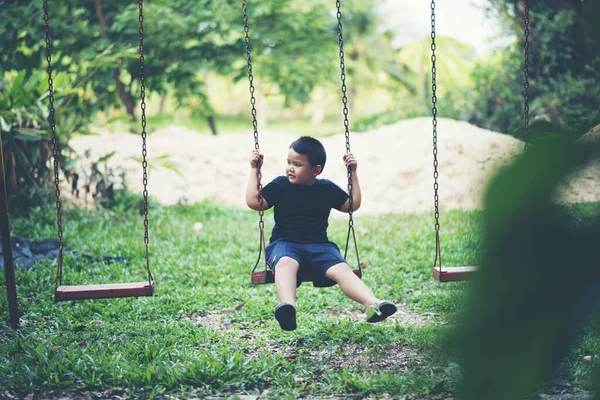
column 395, row 164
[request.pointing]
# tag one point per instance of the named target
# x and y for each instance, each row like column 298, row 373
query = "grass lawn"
column 209, row 331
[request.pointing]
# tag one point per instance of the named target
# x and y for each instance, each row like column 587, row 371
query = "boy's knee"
column 338, row 271
column 288, row 264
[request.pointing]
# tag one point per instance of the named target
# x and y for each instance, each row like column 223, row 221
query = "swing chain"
column 259, row 187
column 345, row 110
column 55, row 151
column 144, row 147
column 347, row 133
column 526, row 76
column 435, row 137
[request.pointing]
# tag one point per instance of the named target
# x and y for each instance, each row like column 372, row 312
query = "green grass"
column 149, row 347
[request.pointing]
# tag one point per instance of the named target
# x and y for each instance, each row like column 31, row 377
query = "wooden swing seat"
column 262, row 277
column 104, row 291
column 451, row 274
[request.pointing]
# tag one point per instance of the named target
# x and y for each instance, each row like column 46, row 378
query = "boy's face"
column 299, row 171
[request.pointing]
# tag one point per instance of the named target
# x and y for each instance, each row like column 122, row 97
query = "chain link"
column 434, row 114
column 526, row 76
column 345, row 109
column 259, row 187
column 435, row 136
column 144, row 146
column 347, row 134
column 55, row 149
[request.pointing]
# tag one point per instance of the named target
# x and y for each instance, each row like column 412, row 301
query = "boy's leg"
column 286, row 272
column 355, row 288
column 351, row 285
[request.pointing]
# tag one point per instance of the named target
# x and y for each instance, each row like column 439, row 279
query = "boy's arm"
column 356, row 196
column 252, row 194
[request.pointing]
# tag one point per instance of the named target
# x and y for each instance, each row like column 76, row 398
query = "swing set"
column 110, row 290
column 146, row 288
column 267, row 274
column 439, row 273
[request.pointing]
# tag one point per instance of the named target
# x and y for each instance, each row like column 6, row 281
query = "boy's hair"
column 312, row 149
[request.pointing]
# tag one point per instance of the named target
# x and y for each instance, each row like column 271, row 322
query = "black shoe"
column 379, row 312
column 285, row 314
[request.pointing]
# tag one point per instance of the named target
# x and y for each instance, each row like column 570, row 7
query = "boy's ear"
column 317, row 170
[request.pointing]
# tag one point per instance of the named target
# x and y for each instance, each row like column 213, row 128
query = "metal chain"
column 259, row 187
column 435, row 138
column 345, row 110
column 347, row 133
column 55, row 150
column 526, row 77
column 144, row 147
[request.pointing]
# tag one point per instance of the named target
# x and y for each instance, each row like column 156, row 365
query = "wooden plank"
column 262, row 277
column 453, row 274
column 105, row 291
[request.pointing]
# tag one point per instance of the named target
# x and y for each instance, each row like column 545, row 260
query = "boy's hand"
column 257, row 159
column 350, row 162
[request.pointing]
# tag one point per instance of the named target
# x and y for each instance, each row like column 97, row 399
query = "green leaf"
column 30, row 135
column 86, row 132
column 119, row 118
column 33, row 81
column 70, row 164
column 66, row 92
column 43, row 86
column 60, row 81
column 170, row 165
column 106, row 156
column 5, row 127
column 128, row 54
column 17, row 84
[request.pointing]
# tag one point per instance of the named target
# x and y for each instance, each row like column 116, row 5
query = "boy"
column 299, row 239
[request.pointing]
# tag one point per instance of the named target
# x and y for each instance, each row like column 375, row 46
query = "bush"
column 26, row 133
column 564, row 85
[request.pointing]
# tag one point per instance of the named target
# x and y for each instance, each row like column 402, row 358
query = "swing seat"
column 452, row 274
column 104, row 291
column 263, row 277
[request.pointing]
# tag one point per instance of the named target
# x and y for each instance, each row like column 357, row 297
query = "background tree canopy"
column 196, row 53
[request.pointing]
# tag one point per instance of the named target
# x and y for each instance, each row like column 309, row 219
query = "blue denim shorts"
column 315, row 258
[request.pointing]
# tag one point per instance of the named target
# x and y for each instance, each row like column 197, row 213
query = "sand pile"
column 395, row 164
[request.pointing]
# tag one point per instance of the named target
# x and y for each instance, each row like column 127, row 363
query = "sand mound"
column 395, row 164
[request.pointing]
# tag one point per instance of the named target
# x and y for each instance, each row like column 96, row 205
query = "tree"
column 454, row 62
column 97, row 42
column 292, row 48
column 563, row 63
column 368, row 49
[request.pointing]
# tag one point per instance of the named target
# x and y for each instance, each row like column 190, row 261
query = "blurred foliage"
column 181, row 40
column 563, row 69
column 99, row 45
column 410, row 82
column 95, row 54
column 539, row 281
column 26, row 135
column 295, row 54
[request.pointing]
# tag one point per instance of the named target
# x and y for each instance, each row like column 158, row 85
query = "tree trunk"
column 319, row 107
column 161, row 103
column 261, row 109
column 351, row 99
column 211, row 122
column 124, row 95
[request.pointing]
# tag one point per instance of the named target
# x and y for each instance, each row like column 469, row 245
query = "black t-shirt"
column 301, row 212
